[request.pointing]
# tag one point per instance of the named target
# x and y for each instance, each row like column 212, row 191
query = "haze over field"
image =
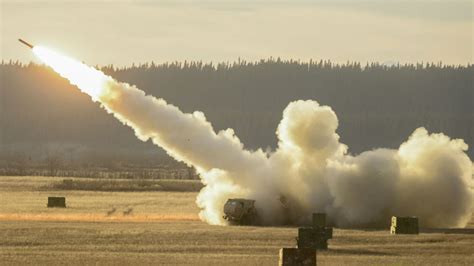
column 376, row 106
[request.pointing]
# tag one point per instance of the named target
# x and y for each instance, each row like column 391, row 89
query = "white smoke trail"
column 429, row 176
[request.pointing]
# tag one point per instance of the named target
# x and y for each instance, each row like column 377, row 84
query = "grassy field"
column 163, row 228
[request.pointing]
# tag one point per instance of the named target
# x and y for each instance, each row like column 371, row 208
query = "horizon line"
column 216, row 63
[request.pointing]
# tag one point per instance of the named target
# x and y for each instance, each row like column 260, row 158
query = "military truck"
column 240, row 212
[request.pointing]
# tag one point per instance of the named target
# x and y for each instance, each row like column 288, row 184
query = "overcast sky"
column 122, row 32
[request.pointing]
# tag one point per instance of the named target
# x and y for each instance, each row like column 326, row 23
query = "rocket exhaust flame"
column 429, row 176
column 87, row 79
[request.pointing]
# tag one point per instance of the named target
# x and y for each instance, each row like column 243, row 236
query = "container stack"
column 316, row 236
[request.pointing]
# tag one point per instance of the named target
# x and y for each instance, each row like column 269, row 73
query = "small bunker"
column 404, row 225
column 56, row 202
column 297, row 257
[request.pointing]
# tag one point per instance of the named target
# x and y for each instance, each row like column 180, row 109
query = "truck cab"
column 240, row 211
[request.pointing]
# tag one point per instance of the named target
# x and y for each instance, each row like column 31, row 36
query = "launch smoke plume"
column 429, row 175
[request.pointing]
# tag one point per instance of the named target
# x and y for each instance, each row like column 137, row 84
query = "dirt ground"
column 150, row 228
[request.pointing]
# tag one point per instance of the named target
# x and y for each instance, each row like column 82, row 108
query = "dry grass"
column 107, row 185
column 84, row 233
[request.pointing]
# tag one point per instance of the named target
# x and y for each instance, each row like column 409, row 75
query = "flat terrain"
column 123, row 228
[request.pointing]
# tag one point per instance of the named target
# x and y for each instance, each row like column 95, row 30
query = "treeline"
column 377, row 105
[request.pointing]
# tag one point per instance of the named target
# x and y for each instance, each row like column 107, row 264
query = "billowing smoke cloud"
column 429, row 175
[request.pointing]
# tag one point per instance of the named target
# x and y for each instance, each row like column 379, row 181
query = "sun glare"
column 88, row 79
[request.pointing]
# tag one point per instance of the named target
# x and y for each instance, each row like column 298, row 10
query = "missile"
column 26, row 43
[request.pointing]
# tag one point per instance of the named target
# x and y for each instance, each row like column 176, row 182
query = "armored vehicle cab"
column 240, row 211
